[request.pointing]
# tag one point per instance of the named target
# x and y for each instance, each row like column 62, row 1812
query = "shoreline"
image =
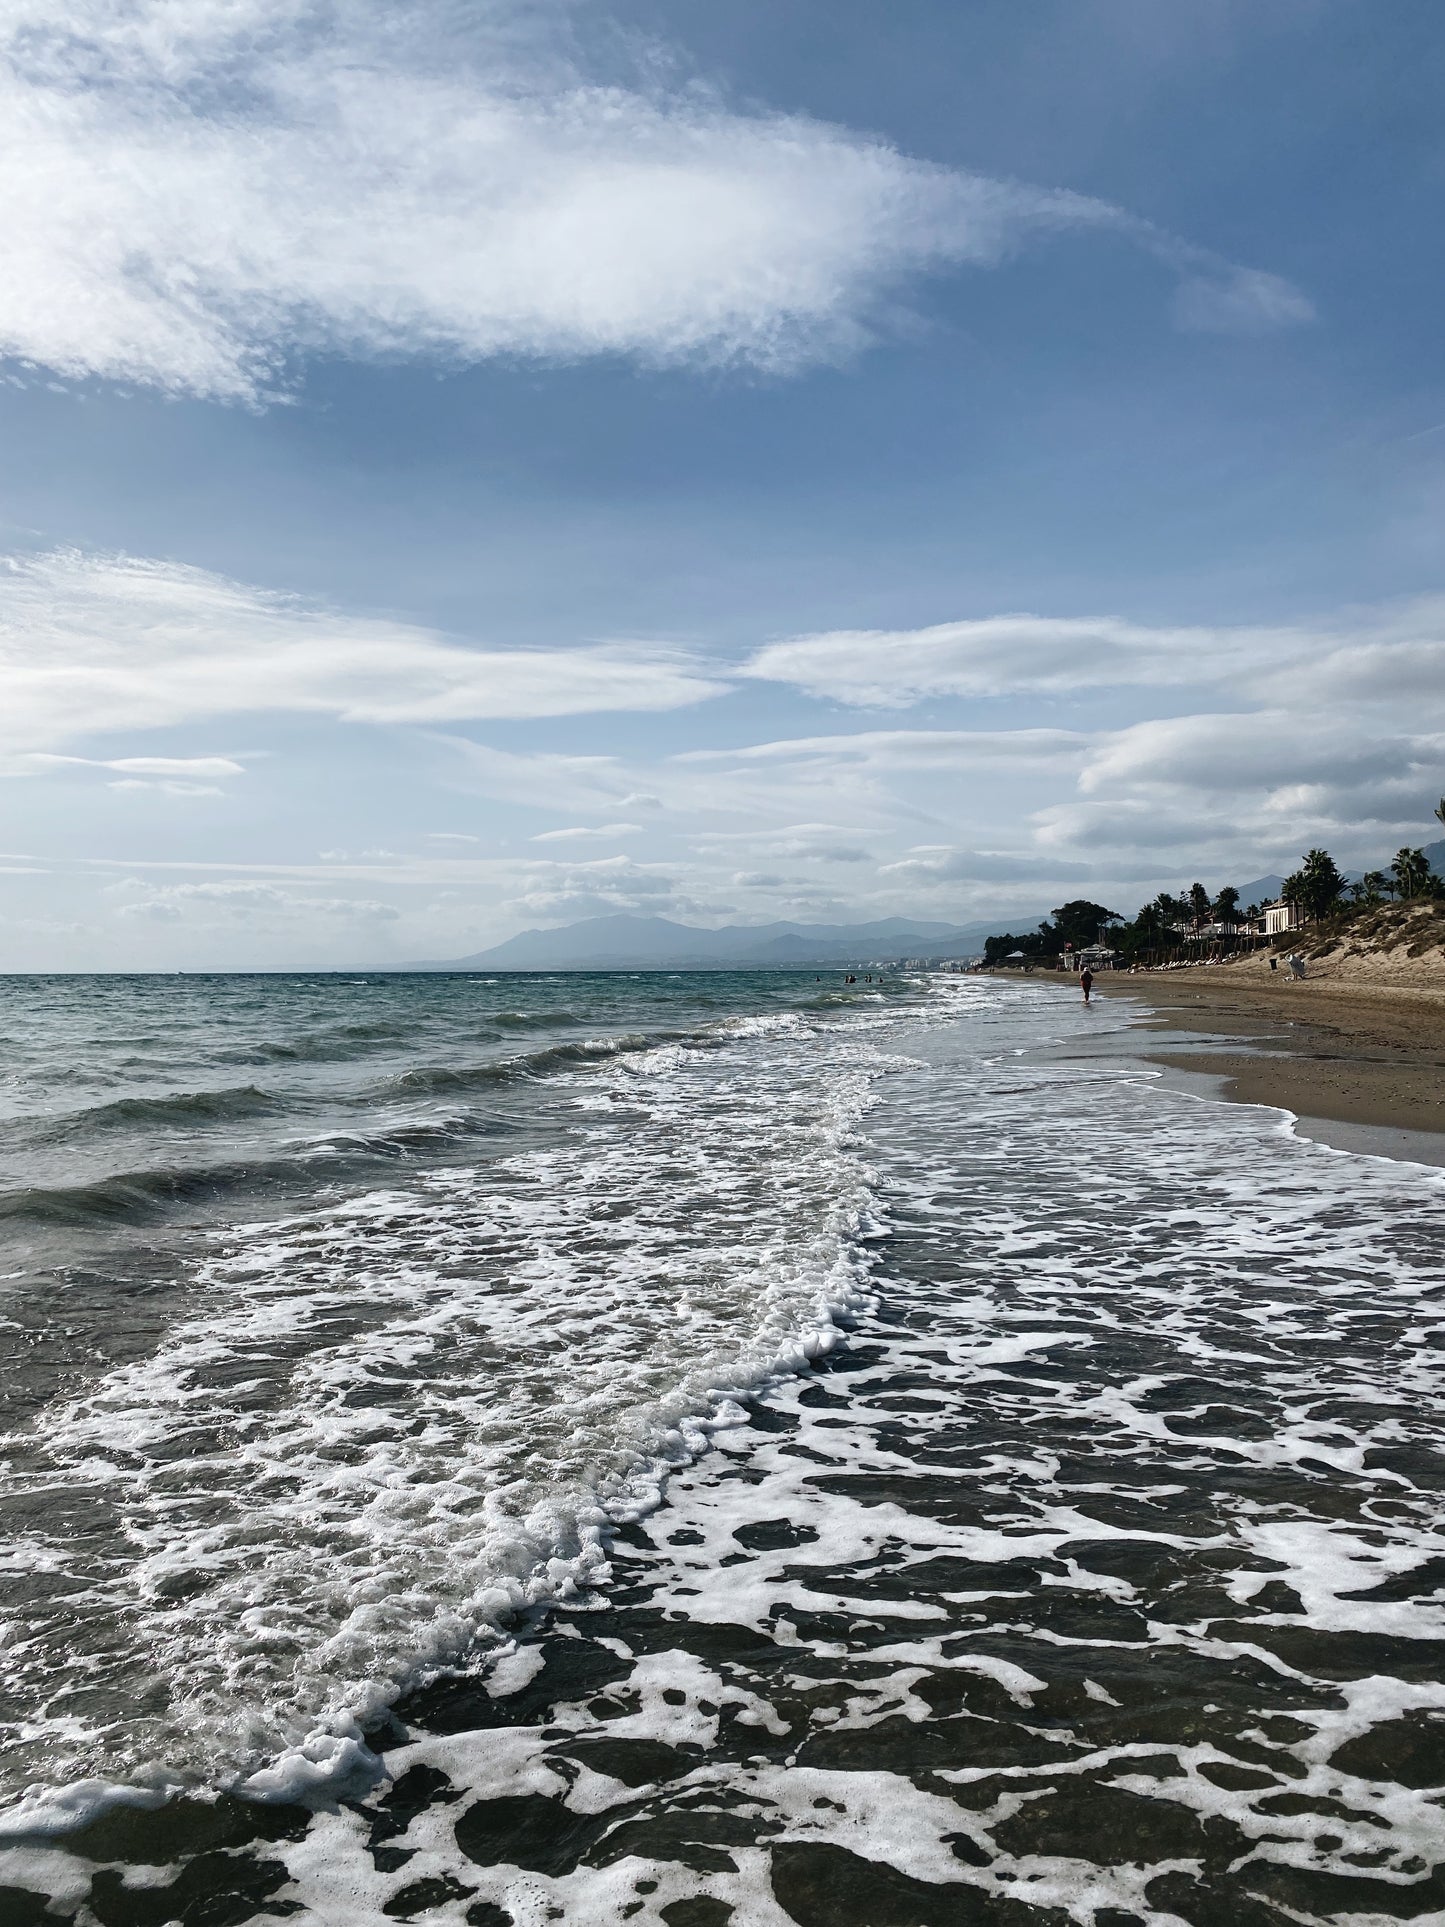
column 1361, row 1066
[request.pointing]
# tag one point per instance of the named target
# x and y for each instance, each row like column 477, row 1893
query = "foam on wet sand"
column 1095, row 1577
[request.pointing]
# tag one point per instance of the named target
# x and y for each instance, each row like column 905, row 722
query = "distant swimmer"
column 1086, row 980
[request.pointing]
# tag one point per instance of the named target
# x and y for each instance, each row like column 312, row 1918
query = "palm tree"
column 1412, row 872
column 1440, row 809
column 1316, row 885
column 1198, row 904
column 1226, row 904
column 1373, row 885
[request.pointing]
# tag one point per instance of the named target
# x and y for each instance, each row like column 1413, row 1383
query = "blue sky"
column 467, row 467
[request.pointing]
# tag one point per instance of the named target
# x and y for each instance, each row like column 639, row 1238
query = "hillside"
column 1382, row 943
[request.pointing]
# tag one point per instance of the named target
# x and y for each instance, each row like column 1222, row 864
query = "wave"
column 135, row 1196
column 617, row 1357
column 431, row 1079
column 178, row 1109
column 334, row 1045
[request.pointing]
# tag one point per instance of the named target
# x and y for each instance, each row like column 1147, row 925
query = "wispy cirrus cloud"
column 589, row 833
column 91, row 644
column 191, row 195
column 240, row 900
column 1376, row 656
column 1010, row 654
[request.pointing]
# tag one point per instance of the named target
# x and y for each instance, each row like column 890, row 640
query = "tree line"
column 1318, row 887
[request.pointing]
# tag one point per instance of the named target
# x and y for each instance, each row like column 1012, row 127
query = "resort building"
column 1279, row 917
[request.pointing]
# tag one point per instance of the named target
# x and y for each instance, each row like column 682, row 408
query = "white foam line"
column 489, row 1562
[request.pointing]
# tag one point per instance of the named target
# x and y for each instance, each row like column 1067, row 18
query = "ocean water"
column 701, row 1449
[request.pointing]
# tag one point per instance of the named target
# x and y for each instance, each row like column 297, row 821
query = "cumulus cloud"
column 94, row 643
column 189, row 195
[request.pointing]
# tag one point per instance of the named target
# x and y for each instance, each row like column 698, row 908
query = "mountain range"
column 627, row 942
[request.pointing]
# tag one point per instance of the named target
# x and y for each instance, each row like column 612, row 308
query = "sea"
column 746, row 1448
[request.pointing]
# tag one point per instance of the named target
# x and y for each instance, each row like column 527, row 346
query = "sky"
column 470, row 467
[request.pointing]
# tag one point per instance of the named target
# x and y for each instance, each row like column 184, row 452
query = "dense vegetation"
column 1193, row 922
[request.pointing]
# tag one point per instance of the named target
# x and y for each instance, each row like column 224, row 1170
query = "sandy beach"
column 1365, row 1053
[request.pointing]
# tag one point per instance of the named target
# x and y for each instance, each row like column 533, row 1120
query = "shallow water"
column 1094, row 1575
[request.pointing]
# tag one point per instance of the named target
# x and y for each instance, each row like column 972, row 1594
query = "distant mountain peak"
column 623, row 940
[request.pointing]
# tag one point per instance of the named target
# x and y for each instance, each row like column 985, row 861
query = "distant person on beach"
column 1086, row 981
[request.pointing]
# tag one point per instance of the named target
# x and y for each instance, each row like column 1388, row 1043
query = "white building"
column 1279, row 917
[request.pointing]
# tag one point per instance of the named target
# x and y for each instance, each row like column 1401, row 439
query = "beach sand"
column 1369, row 1055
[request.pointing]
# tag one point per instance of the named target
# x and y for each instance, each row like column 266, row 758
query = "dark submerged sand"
column 1370, row 1055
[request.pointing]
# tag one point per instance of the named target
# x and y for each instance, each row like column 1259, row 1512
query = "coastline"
column 1363, row 1060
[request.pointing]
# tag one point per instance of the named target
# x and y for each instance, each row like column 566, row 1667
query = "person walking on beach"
column 1086, row 981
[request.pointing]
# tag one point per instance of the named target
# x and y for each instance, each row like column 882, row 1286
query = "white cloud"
column 92, row 643
column 601, row 887
column 1378, row 656
column 167, row 789
column 789, row 791
column 1002, row 655
column 177, row 767
column 907, row 749
column 1264, row 749
column 188, row 194
column 815, row 842
column 249, row 902
column 1239, row 301
column 606, row 832
column 1126, row 823
column 946, row 865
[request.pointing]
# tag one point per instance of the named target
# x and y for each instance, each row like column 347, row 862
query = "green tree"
column 1316, row 885
column 1148, row 934
column 1372, row 886
column 1411, row 870
column 1042, row 942
column 1226, row 905
column 1080, row 923
column 1440, row 809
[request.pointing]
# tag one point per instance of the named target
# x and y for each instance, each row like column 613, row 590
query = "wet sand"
column 1369, row 1056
